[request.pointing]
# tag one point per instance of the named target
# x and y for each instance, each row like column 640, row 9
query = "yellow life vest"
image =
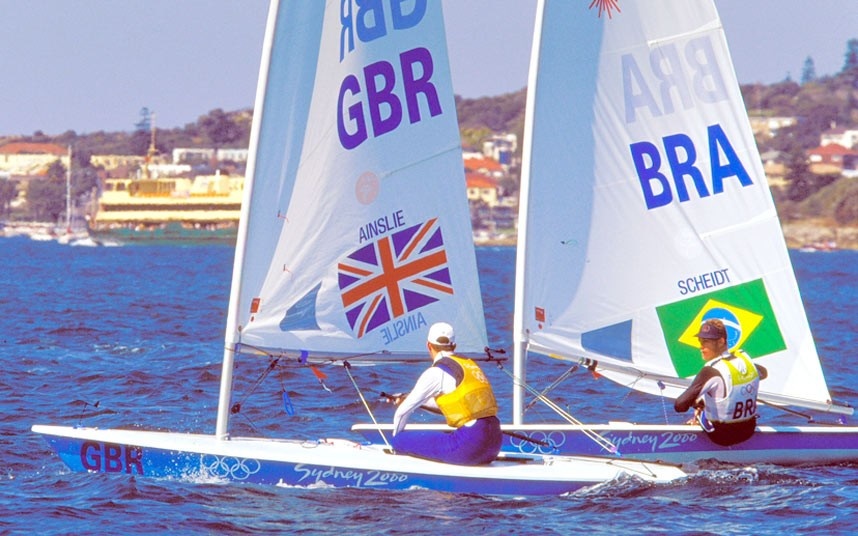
column 473, row 397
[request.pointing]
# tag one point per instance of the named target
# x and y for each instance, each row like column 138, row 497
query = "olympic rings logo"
column 229, row 467
column 749, row 389
column 538, row 442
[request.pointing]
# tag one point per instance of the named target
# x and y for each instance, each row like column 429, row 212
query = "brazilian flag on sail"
column 746, row 312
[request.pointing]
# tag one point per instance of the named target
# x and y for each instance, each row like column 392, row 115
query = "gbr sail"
column 355, row 234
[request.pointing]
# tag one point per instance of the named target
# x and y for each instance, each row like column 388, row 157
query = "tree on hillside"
column 752, row 95
column 8, row 193
column 850, row 63
column 779, row 98
column 84, row 177
column 46, row 198
column 846, row 211
column 499, row 114
column 819, row 112
column 474, row 137
column 802, row 182
column 808, row 71
column 220, row 128
column 850, row 74
column 39, row 137
column 140, row 142
column 145, row 123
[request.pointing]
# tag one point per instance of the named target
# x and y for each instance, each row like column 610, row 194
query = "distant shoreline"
column 798, row 234
column 802, row 233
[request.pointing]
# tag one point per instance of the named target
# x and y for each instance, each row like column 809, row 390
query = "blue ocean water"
column 133, row 337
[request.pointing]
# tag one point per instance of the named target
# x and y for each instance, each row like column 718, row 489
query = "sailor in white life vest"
column 458, row 388
column 724, row 392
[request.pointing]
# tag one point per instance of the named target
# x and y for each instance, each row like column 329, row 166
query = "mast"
column 68, row 192
column 519, row 336
column 232, row 327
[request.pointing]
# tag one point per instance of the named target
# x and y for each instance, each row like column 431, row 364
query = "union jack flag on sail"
column 393, row 276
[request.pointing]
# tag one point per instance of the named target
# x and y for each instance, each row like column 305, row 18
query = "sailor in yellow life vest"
column 458, row 388
column 724, row 392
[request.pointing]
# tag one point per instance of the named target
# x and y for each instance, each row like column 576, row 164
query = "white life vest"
column 741, row 383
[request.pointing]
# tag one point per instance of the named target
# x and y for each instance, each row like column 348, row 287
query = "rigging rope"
column 596, row 437
column 662, row 387
column 553, row 385
column 236, row 408
column 83, row 410
column 348, row 367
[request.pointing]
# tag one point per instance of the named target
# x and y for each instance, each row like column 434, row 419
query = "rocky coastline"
column 820, row 232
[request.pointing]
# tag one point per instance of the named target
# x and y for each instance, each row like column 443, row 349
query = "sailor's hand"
column 696, row 417
column 395, row 398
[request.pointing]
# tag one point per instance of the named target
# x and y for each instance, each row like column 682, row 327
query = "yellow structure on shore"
column 203, row 208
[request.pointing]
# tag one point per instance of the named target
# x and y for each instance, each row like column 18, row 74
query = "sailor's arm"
column 688, row 398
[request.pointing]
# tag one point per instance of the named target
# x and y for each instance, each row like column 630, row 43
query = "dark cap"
column 712, row 329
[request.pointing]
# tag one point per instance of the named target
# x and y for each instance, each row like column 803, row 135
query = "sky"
column 91, row 65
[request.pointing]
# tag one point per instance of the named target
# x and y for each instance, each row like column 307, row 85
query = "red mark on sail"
column 605, row 6
column 367, row 187
column 539, row 316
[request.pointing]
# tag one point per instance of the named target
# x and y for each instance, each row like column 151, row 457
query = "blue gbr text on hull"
column 376, row 91
column 111, row 458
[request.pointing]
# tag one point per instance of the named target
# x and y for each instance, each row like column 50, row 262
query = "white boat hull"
column 329, row 463
column 676, row 444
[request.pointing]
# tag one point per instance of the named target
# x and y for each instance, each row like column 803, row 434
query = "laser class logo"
column 746, row 312
column 393, row 276
column 605, row 6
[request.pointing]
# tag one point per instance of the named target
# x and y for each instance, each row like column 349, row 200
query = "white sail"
column 645, row 208
column 356, row 232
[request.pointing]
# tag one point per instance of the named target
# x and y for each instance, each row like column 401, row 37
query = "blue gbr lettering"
column 110, row 458
column 680, row 155
column 369, row 22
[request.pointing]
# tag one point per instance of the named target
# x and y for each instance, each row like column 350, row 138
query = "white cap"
column 441, row 334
